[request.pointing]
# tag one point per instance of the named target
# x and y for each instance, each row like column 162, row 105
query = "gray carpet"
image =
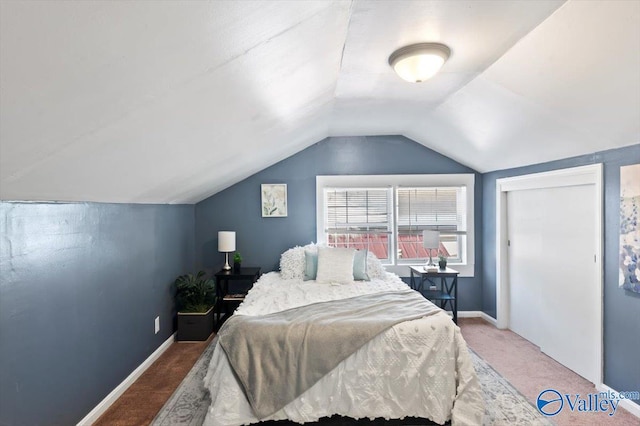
column 504, row 404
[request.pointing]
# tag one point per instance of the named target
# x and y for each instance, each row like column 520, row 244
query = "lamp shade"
column 430, row 239
column 226, row 241
column 419, row 62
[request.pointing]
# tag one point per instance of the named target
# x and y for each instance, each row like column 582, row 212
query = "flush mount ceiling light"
column 419, row 62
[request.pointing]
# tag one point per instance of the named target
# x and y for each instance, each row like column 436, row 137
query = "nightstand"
column 225, row 300
column 448, row 291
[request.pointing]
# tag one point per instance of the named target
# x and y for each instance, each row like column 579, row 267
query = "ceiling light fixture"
column 419, row 62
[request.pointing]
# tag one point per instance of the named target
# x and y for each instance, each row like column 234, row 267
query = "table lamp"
column 226, row 244
column 430, row 241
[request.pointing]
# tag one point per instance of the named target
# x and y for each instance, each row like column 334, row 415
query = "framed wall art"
column 274, row 199
column 630, row 227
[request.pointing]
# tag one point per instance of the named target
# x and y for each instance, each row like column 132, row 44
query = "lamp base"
column 226, row 266
column 430, row 266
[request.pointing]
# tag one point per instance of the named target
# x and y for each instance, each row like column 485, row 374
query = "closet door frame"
column 584, row 175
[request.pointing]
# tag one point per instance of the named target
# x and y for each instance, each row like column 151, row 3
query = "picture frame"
column 629, row 228
column 273, row 199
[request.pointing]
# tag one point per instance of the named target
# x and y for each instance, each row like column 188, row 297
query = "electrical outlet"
column 157, row 324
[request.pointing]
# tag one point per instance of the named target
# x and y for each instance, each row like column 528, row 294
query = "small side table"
column 224, row 299
column 448, row 291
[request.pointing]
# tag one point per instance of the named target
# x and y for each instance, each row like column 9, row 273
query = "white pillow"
column 292, row 263
column 335, row 265
column 374, row 267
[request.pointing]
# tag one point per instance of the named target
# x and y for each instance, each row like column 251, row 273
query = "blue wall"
column 621, row 308
column 80, row 287
column 262, row 240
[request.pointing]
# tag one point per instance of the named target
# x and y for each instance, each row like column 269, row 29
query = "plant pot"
column 236, row 267
column 442, row 264
column 195, row 326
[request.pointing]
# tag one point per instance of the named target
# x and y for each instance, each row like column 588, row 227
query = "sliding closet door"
column 554, row 289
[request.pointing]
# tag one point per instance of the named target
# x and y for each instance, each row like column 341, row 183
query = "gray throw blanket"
column 278, row 356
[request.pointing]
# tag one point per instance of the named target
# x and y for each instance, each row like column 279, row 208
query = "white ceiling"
column 170, row 101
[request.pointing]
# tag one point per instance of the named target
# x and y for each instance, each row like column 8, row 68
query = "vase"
column 236, row 267
column 442, row 264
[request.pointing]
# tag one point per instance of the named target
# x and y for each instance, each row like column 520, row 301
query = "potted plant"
column 195, row 297
column 442, row 262
column 237, row 262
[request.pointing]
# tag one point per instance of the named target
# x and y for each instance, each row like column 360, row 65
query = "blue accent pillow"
column 359, row 266
column 310, row 265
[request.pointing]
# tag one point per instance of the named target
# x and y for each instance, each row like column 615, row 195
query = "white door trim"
column 584, row 175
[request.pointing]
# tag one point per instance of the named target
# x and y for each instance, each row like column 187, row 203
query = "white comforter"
column 418, row 368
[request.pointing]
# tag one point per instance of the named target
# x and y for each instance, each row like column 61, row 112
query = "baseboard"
column 627, row 404
column 99, row 409
column 477, row 314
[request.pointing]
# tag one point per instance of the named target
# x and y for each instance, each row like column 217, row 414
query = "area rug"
column 504, row 405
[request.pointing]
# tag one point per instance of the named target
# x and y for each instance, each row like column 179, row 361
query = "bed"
column 417, row 368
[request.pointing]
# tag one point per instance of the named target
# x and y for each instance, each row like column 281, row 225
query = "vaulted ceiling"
column 173, row 101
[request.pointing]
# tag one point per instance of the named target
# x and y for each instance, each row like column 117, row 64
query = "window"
column 359, row 218
column 435, row 208
column 386, row 214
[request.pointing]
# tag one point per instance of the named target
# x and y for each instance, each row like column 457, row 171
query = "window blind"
column 356, row 209
column 436, row 208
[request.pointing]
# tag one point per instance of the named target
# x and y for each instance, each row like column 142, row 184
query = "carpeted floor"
column 519, row 361
column 531, row 372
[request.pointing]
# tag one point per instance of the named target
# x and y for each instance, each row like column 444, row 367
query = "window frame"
column 389, row 210
column 460, row 234
column 466, row 267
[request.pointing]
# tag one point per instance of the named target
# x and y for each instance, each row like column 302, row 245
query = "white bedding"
column 418, row 368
